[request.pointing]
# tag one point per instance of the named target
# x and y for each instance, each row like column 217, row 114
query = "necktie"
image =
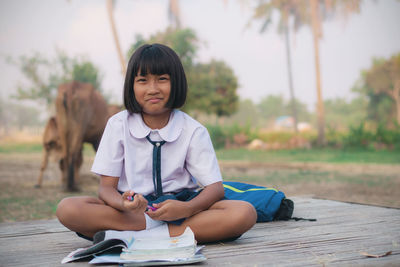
column 157, row 166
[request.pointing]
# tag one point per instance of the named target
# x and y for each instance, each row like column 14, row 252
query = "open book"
column 112, row 246
column 173, row 250
column 183, row 246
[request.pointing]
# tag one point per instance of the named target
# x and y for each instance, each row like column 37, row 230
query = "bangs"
column 152, row 61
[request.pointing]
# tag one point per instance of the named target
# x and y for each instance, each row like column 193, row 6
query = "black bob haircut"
column 156, row 59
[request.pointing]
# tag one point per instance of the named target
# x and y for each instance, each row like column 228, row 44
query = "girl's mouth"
column 154, row 100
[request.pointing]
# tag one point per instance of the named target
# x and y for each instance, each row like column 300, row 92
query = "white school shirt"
column 186, row 157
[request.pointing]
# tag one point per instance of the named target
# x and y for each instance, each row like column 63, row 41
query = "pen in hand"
column 130, row 198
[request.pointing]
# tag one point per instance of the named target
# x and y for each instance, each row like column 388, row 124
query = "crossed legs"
column 224, row 219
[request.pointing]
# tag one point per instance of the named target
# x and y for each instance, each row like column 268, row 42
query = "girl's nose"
column 153, row 87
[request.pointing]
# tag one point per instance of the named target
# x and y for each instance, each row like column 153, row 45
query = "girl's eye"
column 141, row 80
column 164, row 78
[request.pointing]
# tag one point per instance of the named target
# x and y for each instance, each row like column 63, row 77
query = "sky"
column 257, row 59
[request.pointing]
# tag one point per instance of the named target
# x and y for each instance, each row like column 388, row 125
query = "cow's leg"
column 74, row 159
column 78, row 160
column 43, row 166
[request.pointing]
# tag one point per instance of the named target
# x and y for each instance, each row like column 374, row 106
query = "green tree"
column 341, row 113
column 212, row 89
column 272, row 106
column 246, row 114
column 44, row 75
column 183, row 41
column 381, row 85
column 212, row 86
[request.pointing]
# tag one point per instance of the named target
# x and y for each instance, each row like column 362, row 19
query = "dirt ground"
column 366, row 184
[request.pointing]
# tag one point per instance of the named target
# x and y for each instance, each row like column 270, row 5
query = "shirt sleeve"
column 201, row 161
column 109, row 159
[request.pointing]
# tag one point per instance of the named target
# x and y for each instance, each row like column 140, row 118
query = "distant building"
column 287, row 123
column 284, row 122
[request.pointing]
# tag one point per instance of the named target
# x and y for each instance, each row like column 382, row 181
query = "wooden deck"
column 342, row 231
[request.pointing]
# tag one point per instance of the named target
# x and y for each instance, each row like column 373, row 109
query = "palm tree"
column 110, row 9
column 174, row 13
column 312, row 13
column 289, row 10
column 320, row 10
column 174, row 16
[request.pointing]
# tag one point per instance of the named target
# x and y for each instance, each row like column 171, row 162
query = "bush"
column 358, row 137
column 389, row 137
column 217, row 135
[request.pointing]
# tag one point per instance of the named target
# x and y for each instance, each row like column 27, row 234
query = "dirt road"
column 359, row 183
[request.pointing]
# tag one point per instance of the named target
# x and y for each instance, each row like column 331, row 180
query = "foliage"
column 341, row 113
column 358, row 137
column 381, row 85
column 362, row 136
column 212, row 86
column 311, row 155
column 217, row 135
column 212, row 89
column 223, row 135
column 183, row 41
column 45, row 75
column 247, row 113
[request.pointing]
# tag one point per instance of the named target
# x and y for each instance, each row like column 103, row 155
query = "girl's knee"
column 69, row 208
column 246, row 214
column 64, row 209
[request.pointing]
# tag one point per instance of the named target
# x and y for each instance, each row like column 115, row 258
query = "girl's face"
column 152, row 93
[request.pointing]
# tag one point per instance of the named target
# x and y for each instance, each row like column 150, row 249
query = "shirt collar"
column 169, row 133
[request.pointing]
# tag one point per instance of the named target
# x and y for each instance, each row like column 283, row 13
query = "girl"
column 152, row 158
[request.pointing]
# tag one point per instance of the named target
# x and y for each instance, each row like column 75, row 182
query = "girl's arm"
column 108, row 192
column 173, row 209
column 207, row 197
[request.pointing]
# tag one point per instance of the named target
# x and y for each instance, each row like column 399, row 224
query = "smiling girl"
column 153, row 155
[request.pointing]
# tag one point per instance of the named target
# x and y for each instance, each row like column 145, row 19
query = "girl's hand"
column 170, row 210
column 133, row 201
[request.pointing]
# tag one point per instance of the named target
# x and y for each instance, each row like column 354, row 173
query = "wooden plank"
column 342, row 231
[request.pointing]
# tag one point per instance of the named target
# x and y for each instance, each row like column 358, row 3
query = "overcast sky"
column 258, row 60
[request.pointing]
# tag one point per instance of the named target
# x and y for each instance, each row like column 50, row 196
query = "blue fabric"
column 157, row 166
column 265, row 200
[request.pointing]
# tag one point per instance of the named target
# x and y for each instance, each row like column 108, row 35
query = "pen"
column 130, row 198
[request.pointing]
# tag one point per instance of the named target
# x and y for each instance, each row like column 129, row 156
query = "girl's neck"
column 158, row 121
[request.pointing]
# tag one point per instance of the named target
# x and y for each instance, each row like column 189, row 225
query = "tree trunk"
column 174, row 13
column 289, row 66
column 320, row 104
column 115, row 35
column 396, row 97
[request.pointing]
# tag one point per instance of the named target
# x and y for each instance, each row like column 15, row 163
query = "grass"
column 32, row 148
column 20, row 162
column 312, row 155
column 326, row 155
column 290, row 176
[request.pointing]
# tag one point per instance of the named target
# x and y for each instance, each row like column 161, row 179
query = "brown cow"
column 81, row 114
column 51, row 142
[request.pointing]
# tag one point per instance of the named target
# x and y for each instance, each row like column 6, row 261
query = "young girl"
column 152, row 158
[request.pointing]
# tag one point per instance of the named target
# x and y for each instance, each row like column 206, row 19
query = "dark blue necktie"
column 157, row 166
